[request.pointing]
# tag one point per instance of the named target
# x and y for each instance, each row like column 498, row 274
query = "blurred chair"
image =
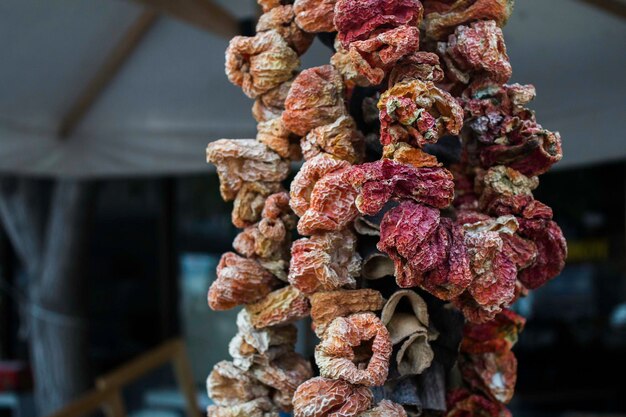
column 108, row 394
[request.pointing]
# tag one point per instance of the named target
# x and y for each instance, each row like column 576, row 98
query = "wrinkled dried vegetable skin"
column 239, row 281
column 326, row 306
column 244, row 160
column 315, row 15
column 323, row 397
column 481, row 250
column 418, row 112
column 386, row 408
column 282, row 20
column 324, row 262
column 442, row 17
column 359, row 19
column 228, row 385
column 282, row 306
column 260, row 63
column 315, row 99
column 337, row 353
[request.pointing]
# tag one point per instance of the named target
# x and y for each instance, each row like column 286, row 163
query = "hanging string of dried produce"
column 460, row 231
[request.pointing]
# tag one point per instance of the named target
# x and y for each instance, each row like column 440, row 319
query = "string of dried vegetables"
column 382, row 191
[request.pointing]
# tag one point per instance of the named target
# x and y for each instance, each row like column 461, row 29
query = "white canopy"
column 171, row 97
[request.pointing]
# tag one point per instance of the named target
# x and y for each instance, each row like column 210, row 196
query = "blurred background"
column 112, row 224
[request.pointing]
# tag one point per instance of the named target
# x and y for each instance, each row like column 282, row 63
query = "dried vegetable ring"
column 356, row 349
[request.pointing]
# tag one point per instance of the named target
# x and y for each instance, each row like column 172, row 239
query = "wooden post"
column 55, row 310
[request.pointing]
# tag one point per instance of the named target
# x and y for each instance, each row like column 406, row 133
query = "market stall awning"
column 171, row 97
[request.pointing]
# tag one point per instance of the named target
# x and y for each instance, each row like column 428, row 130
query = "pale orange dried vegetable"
column 356, row 349
column 239, row 281
column 260, row 63
column 271, row 104
column 316, row 98
column 244, row 160
column 340, row 139
column 284, row 374
column 228, row 385
column 282, row 20
column 250, row 201
column 315, row 15
column 324, row 262
column 328, row 305
column 282, row 306
column 322, row 397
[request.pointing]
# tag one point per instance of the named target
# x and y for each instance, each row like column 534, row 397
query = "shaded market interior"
column 135, row 133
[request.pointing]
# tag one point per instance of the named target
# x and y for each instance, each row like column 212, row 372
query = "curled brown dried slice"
column 356, row 349
column 244, row 160
column 408, row 326
column 228, row 385
column 326, row 306
column 315, row 99
column 284, row 374
column 239, row 281
column 418, row 112
column 282, row 306
column 315, row 15
column 261, row 407
column 404, row 322
column 322, row 397
column 326, row 261
column 377, row 266
column 340, row 139
column 281, row 19
column 258, row 64
column 386, row 408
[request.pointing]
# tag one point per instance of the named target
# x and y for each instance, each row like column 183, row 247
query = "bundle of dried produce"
column 436, row 190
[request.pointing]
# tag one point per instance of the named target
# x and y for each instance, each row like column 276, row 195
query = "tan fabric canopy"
column 171, row 97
